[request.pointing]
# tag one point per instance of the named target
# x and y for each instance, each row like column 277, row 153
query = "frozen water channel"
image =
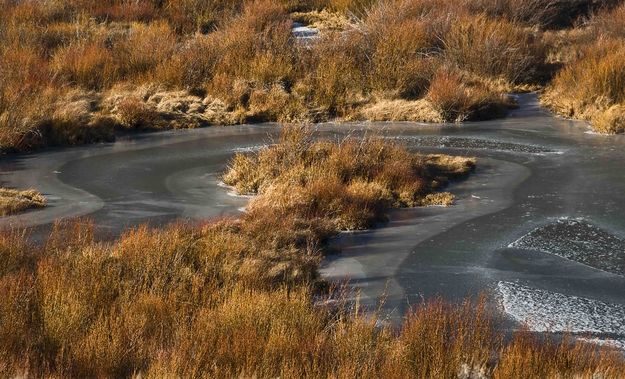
column 540, row 226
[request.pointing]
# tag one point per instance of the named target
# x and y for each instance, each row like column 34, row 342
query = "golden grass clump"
column 107, row 310
column 521, row 357
column 439, row 198
column 456, row 100
column 383, row 60
column 592, row 87
column 493, row 49
column 610, row 22
column 350, row 183
column 87, row 63
column 591, row 84
column 145, row 46
column 15, row 201
column 404, row 46
column 400, row 61
column 324, row 20
column 191, row 64
column 400, row 110
column 355, row 7
column 611, row 121
column 540, row 13
column 334, row 81
column 134, row 113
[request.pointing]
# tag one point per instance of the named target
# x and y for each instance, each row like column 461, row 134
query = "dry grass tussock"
column 494, row 48
column 240, row 60
column 15, row 201
column 456, row 101
column 156, row 107
column 324, row 20
column 348, row 184
column 610, row 121
column 400, row 110
column 592, row 85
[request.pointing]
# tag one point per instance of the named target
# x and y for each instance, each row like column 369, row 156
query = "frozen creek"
column 540, row 226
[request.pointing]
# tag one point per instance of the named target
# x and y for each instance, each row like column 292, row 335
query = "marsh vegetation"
column 348, row 184
column 243, row 298
column 591, row 86
column 75, row 71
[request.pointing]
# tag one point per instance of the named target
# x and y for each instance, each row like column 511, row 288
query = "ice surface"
column 579, row 241
column 249, row 149
column 304, row 33
column 478, row 143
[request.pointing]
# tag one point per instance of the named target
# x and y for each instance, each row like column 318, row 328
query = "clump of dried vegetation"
column 242, row 298
column 14, row 201
column 347, row 184
column 75, row 71
column 591, row 86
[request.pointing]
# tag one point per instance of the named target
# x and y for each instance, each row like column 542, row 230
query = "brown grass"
column 591, row 85
column 348, row 184
column 536, row 13
column 439, row 198
column 234, row 298
column 222, row 300
column 386, row 60
column 400, row 110
column 400, row 60
column 87, row 63
column 610, row 22
column 15, row 201
column 457, row 101
column 323, row 20
column 240, row 58
column 610, row 121
column 334, row 78
column 494, row 48
column 242, row 298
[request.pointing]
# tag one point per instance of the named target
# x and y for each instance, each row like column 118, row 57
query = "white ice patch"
column 617, row 344
column 232, row 192
column 479, row 144
column 545, row 311
column 249, row 149
column 304, row 33
column 594, row 133
column 578, row 241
